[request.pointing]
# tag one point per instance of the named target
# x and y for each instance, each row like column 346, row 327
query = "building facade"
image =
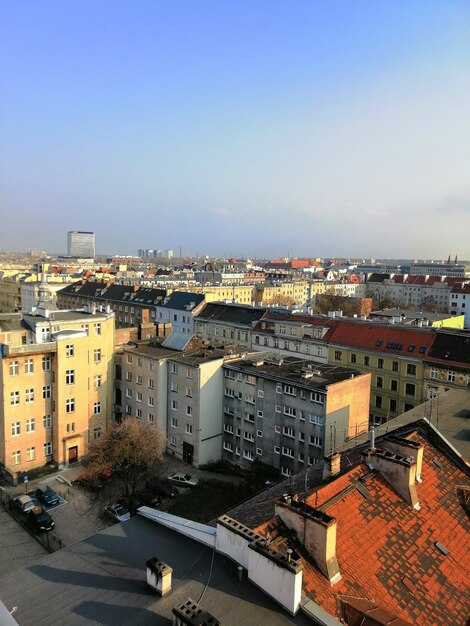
column 288, row 414
column 81, row 244
column 56, row 374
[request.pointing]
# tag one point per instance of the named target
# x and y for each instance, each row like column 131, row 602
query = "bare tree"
column 128, row 449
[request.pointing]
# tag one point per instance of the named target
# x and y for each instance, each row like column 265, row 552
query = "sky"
column 257, row 128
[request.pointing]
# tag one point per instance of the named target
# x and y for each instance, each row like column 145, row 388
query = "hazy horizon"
column 260, row 129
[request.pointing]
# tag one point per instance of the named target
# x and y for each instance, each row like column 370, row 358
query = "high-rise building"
column 81, row 244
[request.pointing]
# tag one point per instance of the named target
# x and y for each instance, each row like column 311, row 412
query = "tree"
column 129, row 449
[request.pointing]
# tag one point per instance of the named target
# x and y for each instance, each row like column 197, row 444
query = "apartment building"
column 282, row 293
column 194, row 409
column 227, row 323
column 132, row 305
column 289, row 413
column 412, row 291
column 179, row 309
column 141, row 383
column 393, row 354
column 56, row 373
column 459, row 302
column 447, row 363
column 297, row 336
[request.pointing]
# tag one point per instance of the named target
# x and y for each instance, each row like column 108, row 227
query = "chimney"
column 316, row 531
column 331, row 465
column 192, row 614
column 407, row 448
column 399, row 471
column 159, row 576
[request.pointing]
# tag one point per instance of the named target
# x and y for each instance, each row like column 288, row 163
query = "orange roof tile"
column 386, row 549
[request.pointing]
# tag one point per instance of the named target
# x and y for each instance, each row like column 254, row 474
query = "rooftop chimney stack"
column 407, row 448
column 331, row 466
column 372, row 438
column 399, row 471
column 159, row 576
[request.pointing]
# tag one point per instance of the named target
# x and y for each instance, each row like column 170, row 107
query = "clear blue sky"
column 255, row 127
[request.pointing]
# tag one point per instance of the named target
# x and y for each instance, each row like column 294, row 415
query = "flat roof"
column 102, row 580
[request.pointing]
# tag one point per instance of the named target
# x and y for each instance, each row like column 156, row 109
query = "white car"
column 118, row 512
column 185, row 480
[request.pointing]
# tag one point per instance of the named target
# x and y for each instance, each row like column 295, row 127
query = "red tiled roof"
column 376, row 338
column 386, row 549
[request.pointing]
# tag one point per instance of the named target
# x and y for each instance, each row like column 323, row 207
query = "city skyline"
column 254, row 130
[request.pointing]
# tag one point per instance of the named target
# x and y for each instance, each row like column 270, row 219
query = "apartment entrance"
column 73, row 455
column 188, row 453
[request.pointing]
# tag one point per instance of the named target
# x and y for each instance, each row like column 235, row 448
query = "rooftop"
column 102, row 580
column 387, row 551
column 239, row 314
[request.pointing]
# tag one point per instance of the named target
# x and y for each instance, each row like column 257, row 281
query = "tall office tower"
column 81, row 244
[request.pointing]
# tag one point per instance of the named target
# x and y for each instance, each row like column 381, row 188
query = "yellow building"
column 282, row 294
column 239, row 294
column 56, row 380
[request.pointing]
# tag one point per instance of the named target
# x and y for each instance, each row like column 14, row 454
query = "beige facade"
column 56, row 378
column 284, row 294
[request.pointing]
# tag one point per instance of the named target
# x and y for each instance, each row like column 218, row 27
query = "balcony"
column 29, row 348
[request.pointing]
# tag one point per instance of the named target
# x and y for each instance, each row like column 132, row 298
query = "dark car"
column 148, row 498
column 46, row 496
column 94, row 483
column 162, row 488
column 39, row 520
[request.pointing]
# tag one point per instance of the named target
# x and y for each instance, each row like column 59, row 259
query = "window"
column 14, row 368
column 189, row 410
column 250, row 398
column 189, row 392
column 288, row 431
column 229, row 374
column 289, row 390
column 228, row 428
column 15, row 429
column 316, row 397
column 433, row 372
column 451, row 376
column 316, row 441
column 97, row 329
column 394, row 385
column 47, row 421
column 411, row 369
column 259, row 433
column 393, row 405
column 138, row 379
column 70, row 405
column 29, row 395
column 174, row 368
column 395, row 366
column 70, row 377
column 227, row 445
column 48, row 448
column 30, row 453
column 378, row 402
column 97, row 432
column 129, row 376
column 229, row 410
column 97, row 381
column 249, row 417
column 410, row 389
column 248, row 436
column 316, row 419
column 151, row 401
column 248, row 455
column 174, row 387
column 277, row 429
column 250, row 380
column 86, row 328
column 278, row 388
column 29, row 366
column 286, row 471
column 128, row 392
column 380, row 381
column 97, row 355
column 69, row 349
column 277, row 449
column 151, row 383
column 174, row 422
column 260, row 393
column 380, row 364
column 16, row 457
column 139, row 361
column 174, row 405
column 189, row 373
column 278, row 408
column 138, row 396
column 301, row 436
column 290, row 410
column 129, row 358
column 150, row 418
column 128, row 409
column 288, row 452
column 259, row 452
column 259, row 413
column 97, row 408
column 14, row 398
column 138, row 414
column 230, row 393
column 338, row 355
column 353, row 358
column 30, row 425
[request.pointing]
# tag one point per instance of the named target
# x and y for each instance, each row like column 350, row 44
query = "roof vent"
column 441, row 548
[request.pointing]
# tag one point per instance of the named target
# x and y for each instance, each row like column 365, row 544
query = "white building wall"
column 210, row 411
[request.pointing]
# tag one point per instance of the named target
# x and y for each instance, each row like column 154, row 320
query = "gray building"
column 290, row 414
column 81, row 244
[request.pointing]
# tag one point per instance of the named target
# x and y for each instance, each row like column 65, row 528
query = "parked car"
column 162, row 488
column 22, row 504
column 94, row 483
column 46, row 496
column 147, row 498
column 118, row 512
column 40, row 520
column 185, row 480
